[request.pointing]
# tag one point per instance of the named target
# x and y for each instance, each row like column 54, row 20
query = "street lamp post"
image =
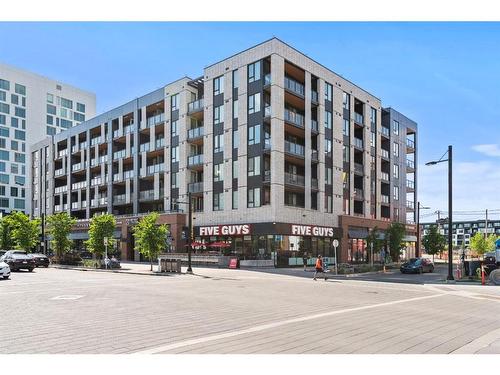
column 450, row 207
column 417, row 248
column 190, row 230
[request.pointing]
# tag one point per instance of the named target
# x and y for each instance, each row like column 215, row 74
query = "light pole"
column 450, row 207
column 190, row 229
column 417, row 248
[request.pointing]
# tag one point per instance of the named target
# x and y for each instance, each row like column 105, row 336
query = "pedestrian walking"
column 319, row 267
column 304, row 261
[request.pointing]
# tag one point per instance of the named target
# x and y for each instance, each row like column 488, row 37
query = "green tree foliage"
column 434, row 242
column 25, row 233
column 374, row 238
column 394, row 235
column 482, row 245
column 150, row 238
column 59, row 226
column 6, row 240
column 101, row 225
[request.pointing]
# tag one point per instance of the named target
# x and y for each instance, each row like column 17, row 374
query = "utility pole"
column 450, row 213
column 486, row 226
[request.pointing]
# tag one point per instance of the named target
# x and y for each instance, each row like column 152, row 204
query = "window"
column 66, row 103
column 19, row 158
column 174, row 128
column 218, row 172
column 3, row 96
column 80, row 107
column 218, row 142
column 328, row 146
column 3, row 119
column 2, row 166
column 219, row 85
column 50, row 98
column 63, row 112
column 345, row 128
column 14, row 99
column 328, row 203
column 4, row 108
column 14, row 191
column 395, row 127
column 328, row 119
column 4, row 202
column 373, row 115
column 236, row 139
column 346, row 101
column 14, row 168
column 254, row 135
column 174, row 102
column 4, row 132
column 4, row 85
column 218, row 114
column 4, row 178
column 174, row 183
column 395, row 170
column 254, row 72
column 66, row 123
column 21, row 135
column 175, row 154
column 328, row 176
column 51, row 130
column 14, row 145
column 235, row 199
column 396, row 193
column 51, row 109
column 14, row 122
column 236, row 79
column 345, row 151
column 2, row 190
column 4, row 155
column 254, row 103
column 254, row 166
column 20, row 89
column 50, row 120
column 78, row 117
column 23, row 101
column 235, row 169
column 328, row 91
column 3, row 143
column 235, row 109
column 253, row 198
column 218, row 201
column 373, row 139
column 19, row 204
column 396, row 149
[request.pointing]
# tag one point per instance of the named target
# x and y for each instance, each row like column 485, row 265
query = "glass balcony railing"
column 267, row 144
column 196, row 132
column 101, row 201
column 358, row 142
column 195, row 187
column 314, row 126
column 96, row 141
column 410, row 205
column 155, row 120
column 159, row 143
column 61, row 189
column 144, row 147
column 120, row 199
column 62, row 153
column 195, row 106
column 155, row 168
column 294, row 148
column 267, row 176
column 77, row 167
column 294, row 118
column 314, row 96
column 147, row 195
column 384, row 153
column 358, row 118
column 295, row 179
column 384, row 198
column 294, row 86
column 386, row 131
column 74, row 205
column 79, row 185
column 128, row 129
column 267, row 111
column 410, row 143
column 384, row 176
column 195, row 160
column 117, row 133
column 59, row 172
column 358, row 193
column 314, row 183
column 410, row 164
column 119, row 154
column 314, row 155
column 410, row 184
column 358, row 168
column 128, row 174
column 267, row 79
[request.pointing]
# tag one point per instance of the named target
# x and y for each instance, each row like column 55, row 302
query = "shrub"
column 68, row 259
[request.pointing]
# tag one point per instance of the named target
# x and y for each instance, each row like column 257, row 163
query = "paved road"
column 238, row 311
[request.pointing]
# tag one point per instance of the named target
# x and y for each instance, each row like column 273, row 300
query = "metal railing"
column 358, row 193
column 195, row 106
column 410, row 164
column 410, row 143
column 195, row 187
column 314, row 125
column 386, row 131
column 384, row 198
column 79, row 185
column 359, row 168
column 267, row 176
column 154, row 168
column 95, row 141
column 294, row 86
column 195, row 159
column 410, row 205
column 294, row 118
column 155, row 120
column 196, row 132
column 61, row 189
column 294, row 148
column 62, row 153
column 384, row 176
column 410, row 184
column 295, row 179
column 59, row 172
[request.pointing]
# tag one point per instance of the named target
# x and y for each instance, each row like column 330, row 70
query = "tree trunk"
column 151, row 263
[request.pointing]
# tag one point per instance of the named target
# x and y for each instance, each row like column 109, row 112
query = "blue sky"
column 445, row 76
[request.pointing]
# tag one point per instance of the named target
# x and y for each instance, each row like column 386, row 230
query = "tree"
column 101, row 225
column 482, row 245
column 6, row 240
column 150, row 238
column 434, row 242
column 59, row 227
column 395, row 234
column 374, row 238
column 25, row 232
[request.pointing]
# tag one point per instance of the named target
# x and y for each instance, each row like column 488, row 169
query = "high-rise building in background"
column 32, row 107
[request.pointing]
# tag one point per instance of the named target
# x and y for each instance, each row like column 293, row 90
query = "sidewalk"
column 127, row 267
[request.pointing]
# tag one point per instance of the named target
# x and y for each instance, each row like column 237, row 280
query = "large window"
column 14, row 99
column 66, row 103
column 50, row 98
column 395, row 127
column 254, row 72
column 396, row 149
column 328, row 119
column 4, row 85
column 3, row 119
column 328, row 203
column 218, row 172
column 174, row 180
column 4, row 108
column 235, row 199
column 218, row 114
column 174, row 102
column 218, row 143
column 328, row 146
column 80, row 107
column 20, row 112
column 66, row 123
column 373, row 139
column 254, row 166
column 3, row 143
column 236, row 79
column 373, row 115
column 78, row 117
column 20, row 135
column 396, row 170
column 174, row 128
column 4, row 132
column 235, row 168
column 4, row 178
column 51, row 109
column 235, row 109
column 175, row 154
column 328, row 176
column 254, row 103
column 328, row 91
column 219, row 85
column 396, row 193
column 253, row 198
column 346, row 101
column 20, row 89
column 254, row 135
column 4, row 155
column 218, row 201
column 236, row 139
column 345, row 153
column 3, row 96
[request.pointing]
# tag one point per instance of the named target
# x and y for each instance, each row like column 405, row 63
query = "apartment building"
column 280, row 156
column 463, row 231
column 32, row 107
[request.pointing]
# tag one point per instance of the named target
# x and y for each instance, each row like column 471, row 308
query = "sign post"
column 106, row 252
column 335, row 244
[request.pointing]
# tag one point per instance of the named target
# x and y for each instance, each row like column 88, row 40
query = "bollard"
column 483, row 279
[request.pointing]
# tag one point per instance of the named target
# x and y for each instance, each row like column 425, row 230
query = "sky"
column 444, row 76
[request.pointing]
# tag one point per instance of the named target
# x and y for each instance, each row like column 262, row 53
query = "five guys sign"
column 312, row 230
column 225, row 230
column 265, row 229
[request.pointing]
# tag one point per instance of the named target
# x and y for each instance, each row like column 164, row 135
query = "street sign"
column 335, row 243
column 105, row 241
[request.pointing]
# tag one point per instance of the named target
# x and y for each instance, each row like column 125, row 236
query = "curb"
column 154, row 273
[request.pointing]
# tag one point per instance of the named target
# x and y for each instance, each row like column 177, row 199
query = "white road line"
column 264, row 327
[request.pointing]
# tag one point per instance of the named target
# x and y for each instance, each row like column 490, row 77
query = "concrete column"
column 321, row 147
column 308, row 149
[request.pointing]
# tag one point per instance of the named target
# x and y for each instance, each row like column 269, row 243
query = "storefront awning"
column 410, row 238
column 357, row 232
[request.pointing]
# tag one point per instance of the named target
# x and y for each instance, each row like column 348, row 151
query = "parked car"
column 18, row 260
column 2, row 252
column 41, row 260
column 417, row 265
column 4, row 270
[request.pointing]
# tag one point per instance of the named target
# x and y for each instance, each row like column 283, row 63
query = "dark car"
column 417, row 265
column 18, row 260
column 490, row 262
column 41, row 260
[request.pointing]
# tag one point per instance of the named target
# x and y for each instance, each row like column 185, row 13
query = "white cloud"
column 487, row 149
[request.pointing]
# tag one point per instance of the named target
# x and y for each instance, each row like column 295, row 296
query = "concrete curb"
column 480, row 343
column 154, row 273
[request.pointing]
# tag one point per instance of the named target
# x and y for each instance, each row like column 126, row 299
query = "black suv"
column 18, row 260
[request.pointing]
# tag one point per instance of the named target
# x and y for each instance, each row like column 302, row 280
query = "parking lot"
column 242, row 311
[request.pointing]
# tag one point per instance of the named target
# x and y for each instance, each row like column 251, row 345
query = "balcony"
column 78, row 166
column 128, row 174
column 155, row 168
column 294, row 148
column 294, row 118
column 410, row 144
column 314, row 126
column 128, row 129
column 267, row 143
column 314, row 96
column 59, row 172
column 79, row 185
column 75, row 206
column 144, row 147
column 358, row 143
column 195, row 187
column 386, row 132
column 62, row 153
column 267, row 79
column 410, row 164
column 147, row 195
column 98, row 180
column 159, row 143
column 267, row 176
column 294, row 86
column 102, row 201
column 385, row 198
column 384, row 153
column 314, row 155
column 120, row 199
column 57, row 207
column 196, row 132
column 295, row 179
column 384, row 176
column 410, row 205
column 358, row 193
column 119, row 154
column 267, row 111
column 155, row 120
column 359, row 168
column 358, row 118
column 410, row 185
column 61, row 189
column 117, row 133
column 195, row 160
column 96, row 141
column 314, row 184
column 195, row 106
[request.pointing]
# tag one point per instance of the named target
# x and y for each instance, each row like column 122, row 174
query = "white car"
column 4, row 270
